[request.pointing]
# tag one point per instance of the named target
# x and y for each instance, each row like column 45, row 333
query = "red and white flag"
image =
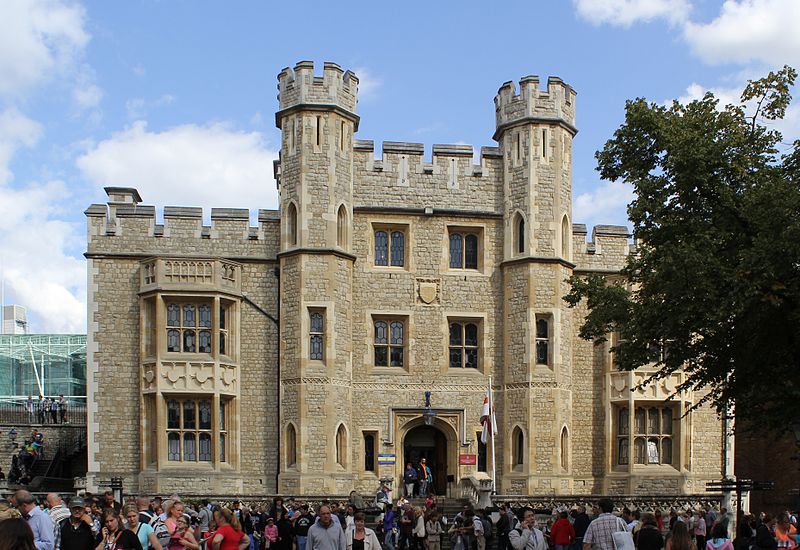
column 488, row 418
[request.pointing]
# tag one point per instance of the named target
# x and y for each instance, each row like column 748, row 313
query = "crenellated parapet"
column 124, row 222
column 554, row 105
column 399, row 156
column 299, row 87
column 606, row 251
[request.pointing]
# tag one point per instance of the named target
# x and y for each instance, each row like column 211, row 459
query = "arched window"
column 341, row 227
column 341, row 446
column 518, row 449
column 542, row 341
column 291, row 445
column 519, row 234
column 565, row 239
column 564, row 449
column 291, row 225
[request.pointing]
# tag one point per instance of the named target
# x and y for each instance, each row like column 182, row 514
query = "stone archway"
column 438, row 443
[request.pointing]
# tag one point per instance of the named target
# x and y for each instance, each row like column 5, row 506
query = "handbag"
column 623, row 540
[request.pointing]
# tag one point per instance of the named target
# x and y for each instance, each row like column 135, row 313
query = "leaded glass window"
column 189, row 430
column 463, row 251
column 398, row 248
column 189, row 328
column 652, row 435
column 316, row 335
column 389, row 343
column 463, row 345
column 456, row 251
column 381, row 248
column 542, row 341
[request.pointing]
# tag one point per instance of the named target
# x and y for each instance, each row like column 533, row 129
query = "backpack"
column 159, row 528
column 488, row 529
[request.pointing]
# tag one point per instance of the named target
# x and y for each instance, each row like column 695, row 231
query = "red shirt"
column 562, row 532
column 230, row 537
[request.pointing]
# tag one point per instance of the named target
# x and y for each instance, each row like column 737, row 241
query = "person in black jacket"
column 765, row 539
column 581, row 524
column 76, row 532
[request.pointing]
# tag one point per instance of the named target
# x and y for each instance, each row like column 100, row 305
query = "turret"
column 317, row 118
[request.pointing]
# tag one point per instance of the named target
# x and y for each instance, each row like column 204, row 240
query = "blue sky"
column 177, row 98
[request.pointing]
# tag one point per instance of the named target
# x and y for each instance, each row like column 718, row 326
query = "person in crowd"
column 765, row 533
column 16, row 534
column 182, row 537
column 325, row 534
column 30, row 408
column 724, row 518
column 785, row 532
column 349, row 517
column 580, row 523
column 455, row 533
column 114, row 536
column 679, row 538
column 228, row 534
column 109, row 502
column 53, row 411
column 285, row 532
column 433, row 531
column 503, row 527
column 562, row 534
column 744, row 532
column 76, row 531
column 173, row 510
column 700, row 529
column 361, row 537
column 409, row 479
column 649, row 536
column 659, row 521
column 478, row 530
column 301, row 525
column 711, row 517
column 425, row 478
column 62, row 408
column 406, row 528
column 418, row 532
column 388, row 527
column 278, row 507
column 527, row 536
column 600, row 533
column 58, row 515
column 143, row 530
column 40, row 410
column 270, row 533
column 39, row 522
column 719, row 539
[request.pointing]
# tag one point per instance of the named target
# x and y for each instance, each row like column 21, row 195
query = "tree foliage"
column 716, row 279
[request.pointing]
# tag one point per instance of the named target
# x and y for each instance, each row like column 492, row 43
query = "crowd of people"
column 27, row 453
column 101, row 523
column 46, row 410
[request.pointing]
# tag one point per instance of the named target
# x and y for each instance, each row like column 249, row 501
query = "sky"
column 177, row 97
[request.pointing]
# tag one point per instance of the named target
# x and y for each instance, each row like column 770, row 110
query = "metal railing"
column 14, row 411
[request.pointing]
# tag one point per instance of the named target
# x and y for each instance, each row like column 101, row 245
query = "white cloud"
column 624, row 13
column 749, row 30
column 16, row 130
column 88, row 96
column 37, row 271
column 368, row 83
column 190, row 165
column 38, row 39
column 607, row 204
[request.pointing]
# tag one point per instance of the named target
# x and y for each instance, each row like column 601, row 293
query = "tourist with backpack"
column 152, row 519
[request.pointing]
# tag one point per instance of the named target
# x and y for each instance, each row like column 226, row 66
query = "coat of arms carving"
column 428, row 290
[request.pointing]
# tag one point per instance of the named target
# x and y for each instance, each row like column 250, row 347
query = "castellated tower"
column 317, row 121
column 535, row 129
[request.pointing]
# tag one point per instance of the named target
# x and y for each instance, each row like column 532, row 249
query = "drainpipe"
column 276, row 320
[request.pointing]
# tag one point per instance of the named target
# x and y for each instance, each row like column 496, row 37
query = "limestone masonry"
column 294, row 356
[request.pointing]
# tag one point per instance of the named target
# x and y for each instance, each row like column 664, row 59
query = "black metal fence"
column 20, row 413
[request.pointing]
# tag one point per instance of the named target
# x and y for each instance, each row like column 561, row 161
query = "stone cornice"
column 538, row 260
column 427, row 211
column 534, row 120
column 318, row 252
column 317, row 107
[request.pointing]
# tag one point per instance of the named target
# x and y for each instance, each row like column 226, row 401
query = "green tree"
column 715, row 281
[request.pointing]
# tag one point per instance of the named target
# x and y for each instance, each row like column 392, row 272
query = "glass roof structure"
column 42, row 364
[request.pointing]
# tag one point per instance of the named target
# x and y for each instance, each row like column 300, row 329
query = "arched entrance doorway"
column 430, row 443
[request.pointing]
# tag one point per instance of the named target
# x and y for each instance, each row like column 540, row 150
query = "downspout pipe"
column 276, row 320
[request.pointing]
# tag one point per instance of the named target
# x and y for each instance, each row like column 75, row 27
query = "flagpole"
column 491, row 433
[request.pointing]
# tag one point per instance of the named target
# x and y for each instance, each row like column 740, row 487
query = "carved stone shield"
column 427, row 292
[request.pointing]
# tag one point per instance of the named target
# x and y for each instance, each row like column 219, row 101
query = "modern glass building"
column 42, row 364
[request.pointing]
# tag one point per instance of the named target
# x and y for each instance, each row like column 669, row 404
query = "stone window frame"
column 317, row 333
column 517, row 449
column 389, row 228
column 463, row 324
column 636, row 436
column 230, row 331
column 291, row 446
column 465, row 231
column 543, row 340
column 190, row 328
column 374, row 316
column 519, row 234
column 564, row 454
column 342, row 227
column 340, row 446
column 566, row 238
column 365, row 464
column 292, row 226
column 195, row 431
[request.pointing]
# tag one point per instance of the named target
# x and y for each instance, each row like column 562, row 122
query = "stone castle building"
column 295, row 356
